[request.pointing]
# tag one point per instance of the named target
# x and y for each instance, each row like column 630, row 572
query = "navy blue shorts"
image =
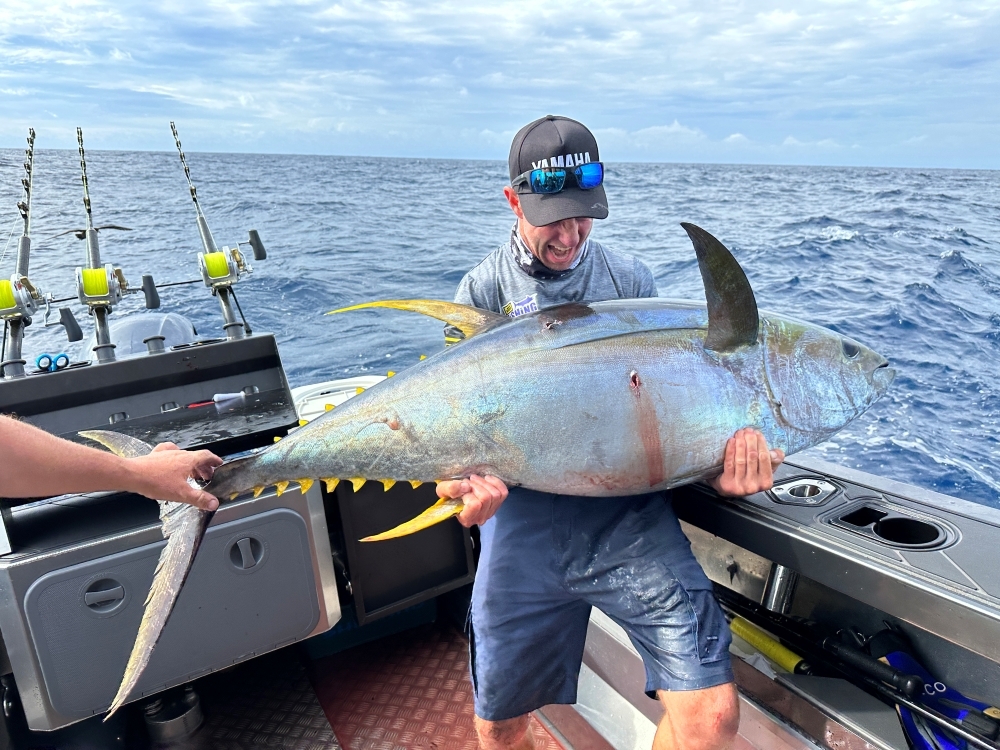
column 547, row 559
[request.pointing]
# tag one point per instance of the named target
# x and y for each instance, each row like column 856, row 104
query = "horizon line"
column 482, row 159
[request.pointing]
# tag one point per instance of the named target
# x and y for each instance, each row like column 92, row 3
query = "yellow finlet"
column 358, row 482
column 442, row 510
column 331, row 483
column 276, row 438
column 359, row 390
column 423, row 356
column 234, row 495
column 305, row 484
column 469, row 320
column 387, row 484
column 281, row 486
column 390, row 373
column 414, row 483
column 257, row 490
column 303, row 422
column 329, row 407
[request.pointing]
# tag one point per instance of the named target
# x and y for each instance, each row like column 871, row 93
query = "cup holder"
column 908, row 531
column 889, row 526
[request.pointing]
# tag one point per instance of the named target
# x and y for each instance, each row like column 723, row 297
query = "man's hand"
column 164, row 473
column 482, row 497
column 748, row 466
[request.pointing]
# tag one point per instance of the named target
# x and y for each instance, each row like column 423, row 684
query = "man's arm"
column 34, row 463
column 645, row 284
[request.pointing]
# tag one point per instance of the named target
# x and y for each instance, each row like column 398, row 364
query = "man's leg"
column 526, row 634
column 705, row 719
column 509, row 734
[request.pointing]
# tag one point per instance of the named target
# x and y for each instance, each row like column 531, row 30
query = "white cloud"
column 713, row 81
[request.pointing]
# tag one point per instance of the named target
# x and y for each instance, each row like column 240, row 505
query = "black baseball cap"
column 548, row 142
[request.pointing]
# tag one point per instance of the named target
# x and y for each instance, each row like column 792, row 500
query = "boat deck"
column 403, row 692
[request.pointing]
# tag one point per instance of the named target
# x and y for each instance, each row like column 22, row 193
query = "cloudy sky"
column 812, row 81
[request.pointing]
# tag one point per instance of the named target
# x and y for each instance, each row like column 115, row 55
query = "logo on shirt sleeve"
column 522, row 307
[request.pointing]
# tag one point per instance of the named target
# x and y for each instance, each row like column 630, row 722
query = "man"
column 34, row 463
column 546, row 559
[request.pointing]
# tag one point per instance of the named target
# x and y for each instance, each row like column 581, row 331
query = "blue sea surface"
column 904, row 260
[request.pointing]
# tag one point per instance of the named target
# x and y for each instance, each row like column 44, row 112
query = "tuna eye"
column 851, row 350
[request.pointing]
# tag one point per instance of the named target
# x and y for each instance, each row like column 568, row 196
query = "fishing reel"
column 19, row 298
column 105, row 287
column 225, row 267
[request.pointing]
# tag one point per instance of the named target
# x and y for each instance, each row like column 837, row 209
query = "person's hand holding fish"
column 164, row 474
column 748, row 466
column 482, row 497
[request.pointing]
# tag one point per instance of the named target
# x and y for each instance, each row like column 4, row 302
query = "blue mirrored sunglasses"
column 553, row 179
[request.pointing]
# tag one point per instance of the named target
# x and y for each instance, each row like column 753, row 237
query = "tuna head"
column 819, row 380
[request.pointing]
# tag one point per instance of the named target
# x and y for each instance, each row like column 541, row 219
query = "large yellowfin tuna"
column 604, row 399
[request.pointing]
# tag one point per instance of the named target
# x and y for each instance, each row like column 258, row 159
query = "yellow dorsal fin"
column 305, row 484
column 387, row 484
column 281, row 487
column 257, row 490
column 469, row 320
column 414, row 483
column 442, row 510
column 331, row 483
column 358, row 482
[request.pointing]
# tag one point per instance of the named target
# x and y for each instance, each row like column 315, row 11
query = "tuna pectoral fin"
column 469, row 320
column 442, row 510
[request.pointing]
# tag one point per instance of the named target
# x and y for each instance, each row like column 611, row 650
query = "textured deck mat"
column 405, row 692
column 266, row 702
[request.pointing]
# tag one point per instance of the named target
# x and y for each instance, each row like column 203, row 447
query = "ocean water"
column 904, row 260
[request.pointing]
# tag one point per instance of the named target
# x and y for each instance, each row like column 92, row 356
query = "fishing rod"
column 19, row 298
column 893, row 686
column 221, row 268
column 100, row 287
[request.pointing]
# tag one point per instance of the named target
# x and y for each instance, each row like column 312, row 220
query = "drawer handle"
column 94, row 598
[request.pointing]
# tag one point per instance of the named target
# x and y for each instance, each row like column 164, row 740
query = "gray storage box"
column 263, row 578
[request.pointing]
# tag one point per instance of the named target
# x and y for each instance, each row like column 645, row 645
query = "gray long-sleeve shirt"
column 499, row 284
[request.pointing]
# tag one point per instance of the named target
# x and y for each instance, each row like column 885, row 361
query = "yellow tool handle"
column 783, row 657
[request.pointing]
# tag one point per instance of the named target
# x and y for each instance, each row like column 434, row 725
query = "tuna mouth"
column 882, row 377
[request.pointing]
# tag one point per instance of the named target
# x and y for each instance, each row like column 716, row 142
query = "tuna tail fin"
column 732, row 309
column 442, row 510
column 183, row 527
column 469, row 320
column 125, row 446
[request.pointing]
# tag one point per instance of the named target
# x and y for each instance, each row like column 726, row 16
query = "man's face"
column 555, row 245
